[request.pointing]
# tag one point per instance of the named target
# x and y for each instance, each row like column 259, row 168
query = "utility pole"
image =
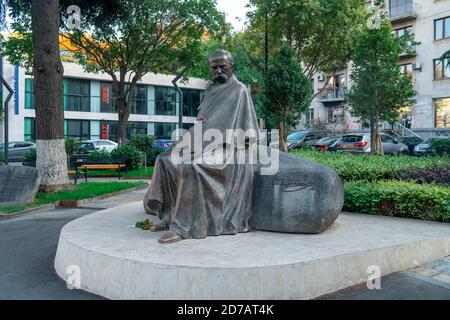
column 180, row 93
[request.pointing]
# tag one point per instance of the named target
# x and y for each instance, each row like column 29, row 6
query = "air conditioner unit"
column 321, row 77
column 417, row 66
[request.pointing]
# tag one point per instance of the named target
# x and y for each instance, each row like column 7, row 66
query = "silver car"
column 360, row 143
column 17, row 150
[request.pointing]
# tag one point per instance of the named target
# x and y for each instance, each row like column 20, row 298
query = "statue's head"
column 221, row 65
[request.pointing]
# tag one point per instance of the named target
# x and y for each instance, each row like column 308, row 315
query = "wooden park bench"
column 82, row 167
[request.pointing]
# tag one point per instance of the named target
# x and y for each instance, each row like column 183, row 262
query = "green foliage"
column 287, row 91
column 441, row 147
column 99, row 156
column 321, row 32
column 30, row 155
column 145, row 225
column 143, row 142
column 398, row 198
column 129, row 154
column 1, row 158
column 72, row 146
column 352, row 167
column 439, row 174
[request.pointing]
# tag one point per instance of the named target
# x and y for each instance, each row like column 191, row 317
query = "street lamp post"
column 180, row 107
column 6, row 143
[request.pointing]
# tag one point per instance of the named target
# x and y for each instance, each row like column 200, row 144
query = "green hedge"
column 368, row 167
column 398, row 198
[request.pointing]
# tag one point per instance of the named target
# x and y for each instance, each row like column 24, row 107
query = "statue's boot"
column 159, row 227
column 170, row 237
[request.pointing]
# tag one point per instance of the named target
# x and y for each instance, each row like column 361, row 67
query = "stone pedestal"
column 119, row 262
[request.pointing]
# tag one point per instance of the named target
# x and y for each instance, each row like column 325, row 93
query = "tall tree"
column 321, row 31
column 48, row 88
column 287, row 92
column 379, row 88
column 37, row 47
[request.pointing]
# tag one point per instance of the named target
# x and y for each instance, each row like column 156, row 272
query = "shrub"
column 441, row 147
column 72, row 146
column 129, row 154
column 438, row 173
column 398, row 198
column 101, row 156
column 1, row 158
column 30, row 156
column 368, row 167
column 152, row 155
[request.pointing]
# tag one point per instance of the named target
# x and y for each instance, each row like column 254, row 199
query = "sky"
column 233, row 9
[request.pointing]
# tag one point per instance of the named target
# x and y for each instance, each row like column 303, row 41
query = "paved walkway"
column 28, row 246
column 428, row 282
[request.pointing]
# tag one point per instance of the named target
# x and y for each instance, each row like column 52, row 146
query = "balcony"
column 333, row 94
column 401, row 10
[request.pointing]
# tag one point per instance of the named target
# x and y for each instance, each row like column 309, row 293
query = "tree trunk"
column 376, row 146
column 282, row 137
column 48, row 87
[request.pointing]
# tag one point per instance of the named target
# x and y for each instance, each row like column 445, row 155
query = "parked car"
column 411, row 142
column 296, row 140
column 100, row 144
column 424, row 148
column 360, row 143
column 327, row 144
column 86, row 147
column 17, row 150
column 163, row 144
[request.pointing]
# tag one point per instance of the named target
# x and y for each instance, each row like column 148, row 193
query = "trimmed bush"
column 441, row 147
column 129, row 154
column 30, row 156
column 398, row 198
column 369, row 167
column 101, row 156
column 438, row 174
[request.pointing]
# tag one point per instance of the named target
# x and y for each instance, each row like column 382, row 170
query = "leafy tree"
column 39, row 21
column 379, row 88
column 72, row 146
column 322, row 32
column 144, row 143
column 143, row 36
column 287, row 92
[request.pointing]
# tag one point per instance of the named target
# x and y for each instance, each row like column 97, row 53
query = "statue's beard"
column 221, row 78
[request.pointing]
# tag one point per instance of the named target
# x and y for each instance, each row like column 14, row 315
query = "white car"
column 106, row 145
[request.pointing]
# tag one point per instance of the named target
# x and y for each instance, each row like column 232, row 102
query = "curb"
column 83, row 204
column 29, row 211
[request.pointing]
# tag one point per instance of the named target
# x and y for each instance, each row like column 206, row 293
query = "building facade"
column 90, row 108
column 429, row 21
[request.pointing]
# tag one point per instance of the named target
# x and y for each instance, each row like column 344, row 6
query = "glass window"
column 386, row 139
column 295, row 136
column 442, row 28
column 441, row 69
column 400, row 7
column 29, row 94
column 402, row 31
column 110, row 129
column 29, row 129
column 108, row 98
column 77, row 95
column 442, row 107
column 78, row 129
column 165, row 101
column 139, row 105
column 163, row 130
column 191, row 102
column 351, row 139
column 407, row 70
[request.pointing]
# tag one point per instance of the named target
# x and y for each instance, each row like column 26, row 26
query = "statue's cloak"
column 197, row 199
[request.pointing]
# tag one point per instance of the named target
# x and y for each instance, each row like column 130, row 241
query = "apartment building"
column 429, row 21
column 90, row 108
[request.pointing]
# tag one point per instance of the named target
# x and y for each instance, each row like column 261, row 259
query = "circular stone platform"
column 120, row 262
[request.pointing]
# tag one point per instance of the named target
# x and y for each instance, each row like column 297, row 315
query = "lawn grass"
column 81, row 191
column 140, row 172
